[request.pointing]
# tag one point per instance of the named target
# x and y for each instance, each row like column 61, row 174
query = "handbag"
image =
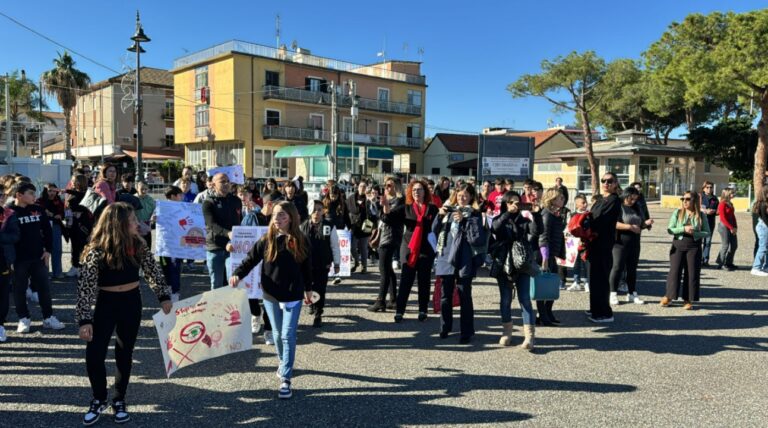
column 375, row 239
column 92, row 201
column 545, row 286
column 520, row 259
column 366, row 227
column 438, row 294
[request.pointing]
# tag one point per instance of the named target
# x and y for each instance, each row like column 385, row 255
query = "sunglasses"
column 685, row 199
column 607, row 181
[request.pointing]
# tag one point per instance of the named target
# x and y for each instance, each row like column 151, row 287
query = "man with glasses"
column 709, row 204
column 221, row 212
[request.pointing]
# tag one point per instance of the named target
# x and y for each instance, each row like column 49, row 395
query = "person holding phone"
column 109, row 279
column 286, row 278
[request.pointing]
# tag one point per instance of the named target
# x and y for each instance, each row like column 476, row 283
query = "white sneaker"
column 268, row 339
column 3, row 337
column 53, row 323
column 614, row 298
column 24, row 324
column 72, row 272
column 337, row 280
column 575, row 287
column 395, row 265
column 586, row 287
column 623, row 287
column 758, row 272
column 35, row 298
column 255, row 324
column 633, row 298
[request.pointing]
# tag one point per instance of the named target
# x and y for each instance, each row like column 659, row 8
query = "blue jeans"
column 761, row 258
column 284, row 323
column 56, row 250
column 218, row 268
column 523, row 287
column 708, row 241
column 579, row 269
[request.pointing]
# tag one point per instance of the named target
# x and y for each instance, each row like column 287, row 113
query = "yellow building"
column 241, row 103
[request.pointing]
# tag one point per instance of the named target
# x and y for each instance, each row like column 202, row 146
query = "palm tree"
column 64, row 81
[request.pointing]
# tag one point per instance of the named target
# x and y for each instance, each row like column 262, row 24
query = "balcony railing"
column 202, row 131
column 296, row 94
column 381, row 140
column 315, row 97
column 384, row 106
column 376, row 70
column 299, row 134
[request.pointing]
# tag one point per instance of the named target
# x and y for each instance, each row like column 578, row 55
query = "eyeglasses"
column 685, row 199
column 389, row 185
column 607, row 181
column 417, row 189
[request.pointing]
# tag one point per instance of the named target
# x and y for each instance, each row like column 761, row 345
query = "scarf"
column 415, row 244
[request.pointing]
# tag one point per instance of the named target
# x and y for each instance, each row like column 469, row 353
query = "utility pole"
column 7, row 121
column 138, row 38
column 334, row 149
column 42, row 124
column 353, row 113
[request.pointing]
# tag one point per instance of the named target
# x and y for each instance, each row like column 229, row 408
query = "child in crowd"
column 186, row 189
column 9, row 234
column 172, row 266
column 324, row 244
column 579, row 267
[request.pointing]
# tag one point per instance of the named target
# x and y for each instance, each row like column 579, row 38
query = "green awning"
column 323, row 150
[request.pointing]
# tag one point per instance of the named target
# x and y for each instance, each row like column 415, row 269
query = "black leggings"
column 120, row 312
column 35, row 273
column 5, row 295
column 320, row 284
column 423, row 271
column 626, row 255
column 387, row 277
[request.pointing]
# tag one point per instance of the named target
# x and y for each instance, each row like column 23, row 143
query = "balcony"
column 297, row 134
column 383, row 106
column 381, row 140
column 324, row 98
column 296, row 94
column 202, row 131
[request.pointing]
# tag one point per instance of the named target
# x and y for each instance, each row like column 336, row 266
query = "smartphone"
column 526, row 206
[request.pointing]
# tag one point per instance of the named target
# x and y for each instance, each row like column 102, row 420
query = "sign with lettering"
column 180, row 230
column 205, row 326
column 234, row 173
column 243, row 239
column 345, row 250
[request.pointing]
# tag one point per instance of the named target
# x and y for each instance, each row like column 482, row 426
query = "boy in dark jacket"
column 33, row 250
column 325, row 252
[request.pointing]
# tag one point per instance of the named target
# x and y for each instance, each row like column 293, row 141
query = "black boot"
column 318, row 322
column 391, row 305
column 377, row 306
column 311, row 310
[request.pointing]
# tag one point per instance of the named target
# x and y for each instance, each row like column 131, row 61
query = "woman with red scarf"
column 416, row 252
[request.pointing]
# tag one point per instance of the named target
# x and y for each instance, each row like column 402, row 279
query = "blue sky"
column 471, row 50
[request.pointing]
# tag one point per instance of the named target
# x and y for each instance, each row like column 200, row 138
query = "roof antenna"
column 277, row 30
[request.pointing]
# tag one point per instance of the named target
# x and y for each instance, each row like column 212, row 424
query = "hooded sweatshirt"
column 36, row 235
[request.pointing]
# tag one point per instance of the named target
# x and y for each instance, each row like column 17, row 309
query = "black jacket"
column 36, row 235
column 360, row 209
column 552, row 234
column 9, row 235
column 284, row 279
column 320, row 241
column 403, row 214
column 509, row 228
column 301, row 207
column 339, row 219
column 221, row 214
column 605, row 214
column 392, row 231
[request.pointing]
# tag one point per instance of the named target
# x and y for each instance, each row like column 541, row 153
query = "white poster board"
column 243, row 239
column 180, row 230
column 571, row 251
column 234, row 173
column 345, row 251
column 205, row 326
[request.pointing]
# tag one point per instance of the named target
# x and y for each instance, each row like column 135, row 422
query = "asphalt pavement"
column 654, row 366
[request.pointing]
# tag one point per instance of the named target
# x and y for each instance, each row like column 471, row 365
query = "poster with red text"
column 243, row 239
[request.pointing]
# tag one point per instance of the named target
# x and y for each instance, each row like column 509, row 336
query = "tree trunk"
column 590, row 154
column 689, row 122
column 762, row 138
column 666, row 135
column 67, row 135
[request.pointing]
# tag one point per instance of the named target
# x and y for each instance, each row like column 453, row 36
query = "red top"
column 436, row 201
column 494, row 201
column 727, row 216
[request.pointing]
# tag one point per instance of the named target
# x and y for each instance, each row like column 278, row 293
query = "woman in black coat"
column 390, row 235
column 416, row 252
column 551, row 246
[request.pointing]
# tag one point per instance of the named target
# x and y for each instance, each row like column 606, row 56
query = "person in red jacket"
column 727, row 230
column 493, row 203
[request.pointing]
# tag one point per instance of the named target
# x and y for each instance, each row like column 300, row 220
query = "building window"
column 413, row 130
column 315, row 84
column 436, row 171
column 201, row 116
column 584, row 176
column 201, row 82
column 271, row 78
column 265, row 164
column 168, row 111
column 550, row 167
column 707, row 166
column 414, row 98
column 169, row 140
column 383, row 95
column 272, row 117
column 94, row 133
column 229, row 154
column 648, row 174
column 316, row 121
column 620, row 167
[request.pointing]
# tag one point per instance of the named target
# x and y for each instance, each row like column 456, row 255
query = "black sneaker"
column 422, row 316
column 94, row 412
column 285, row 390
column 601, row 320
column 318, row 322
column 120, row 412
column 391, row 305
column 311, row 310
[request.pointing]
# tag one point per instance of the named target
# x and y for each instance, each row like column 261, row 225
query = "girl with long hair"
column 416, row 252
column 689, row 227
column 286, row 280
column 109, row 279
column 457, row 257
column 390, row 235
column 79, row 219
column 551, row 246
column 760, row 210
column 336, row 209
column 106, row 184
column 626, row 250
column 727, row 231
column 53, row 205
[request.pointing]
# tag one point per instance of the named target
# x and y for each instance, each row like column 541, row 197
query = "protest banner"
column 205, row 326
column 571, row 251
column 180, row 230
column 345, row 250
column 243, row 239
column 234, row 173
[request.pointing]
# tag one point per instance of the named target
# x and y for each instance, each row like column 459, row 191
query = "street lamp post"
column 138, row 38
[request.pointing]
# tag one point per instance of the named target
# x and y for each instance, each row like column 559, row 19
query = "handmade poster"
column 180, row 230
column 571, row 251
column 205, row 326
column 243, row 239
column 234, row 173
column 345, row 250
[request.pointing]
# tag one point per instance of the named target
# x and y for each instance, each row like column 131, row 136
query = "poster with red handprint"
column 234, row 173
column 180, row 230
column 209, row 325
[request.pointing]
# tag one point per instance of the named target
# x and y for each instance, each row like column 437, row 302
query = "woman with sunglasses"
column 416, row 252
column 626, row 250
column 605, row 214
column 727, row 231
column 551, row 245
column 689, row 227
column 390, row 235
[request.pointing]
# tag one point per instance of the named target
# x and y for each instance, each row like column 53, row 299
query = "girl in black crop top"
column 109, row 279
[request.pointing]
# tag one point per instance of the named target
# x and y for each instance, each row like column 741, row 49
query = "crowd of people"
column 440, row 233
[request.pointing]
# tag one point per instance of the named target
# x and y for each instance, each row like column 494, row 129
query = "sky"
column 471, row 50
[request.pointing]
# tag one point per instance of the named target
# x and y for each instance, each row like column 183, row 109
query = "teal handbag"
column 545, row 286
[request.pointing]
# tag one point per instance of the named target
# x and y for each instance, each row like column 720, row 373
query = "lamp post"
column 138, row 38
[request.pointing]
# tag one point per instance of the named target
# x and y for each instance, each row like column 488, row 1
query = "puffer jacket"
column 552, row 234
column 392, row 232
column 456, row 258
